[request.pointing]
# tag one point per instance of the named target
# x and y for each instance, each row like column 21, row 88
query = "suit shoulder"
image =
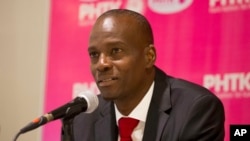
column 185, row 86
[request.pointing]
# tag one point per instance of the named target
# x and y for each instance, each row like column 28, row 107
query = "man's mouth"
column 106, row 81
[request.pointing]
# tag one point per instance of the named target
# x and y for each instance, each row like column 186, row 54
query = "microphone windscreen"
column 92, row 100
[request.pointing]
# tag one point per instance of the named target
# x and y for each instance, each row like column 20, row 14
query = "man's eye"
column 116, row 50
column 93, row 54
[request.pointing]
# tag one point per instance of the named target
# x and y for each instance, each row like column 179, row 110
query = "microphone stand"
column 67, row 129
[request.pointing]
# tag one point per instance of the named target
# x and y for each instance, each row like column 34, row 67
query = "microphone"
column 84, row 102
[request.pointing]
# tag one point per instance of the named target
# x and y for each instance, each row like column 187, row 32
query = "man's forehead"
column 107, row 24
column 112, row 20
column 112, row 24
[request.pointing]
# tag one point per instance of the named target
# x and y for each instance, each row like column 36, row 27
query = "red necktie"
column 126, row 127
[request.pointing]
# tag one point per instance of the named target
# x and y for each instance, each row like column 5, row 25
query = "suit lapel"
column 105, row 127
column 159, row 108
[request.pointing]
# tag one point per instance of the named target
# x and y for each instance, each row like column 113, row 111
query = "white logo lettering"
column 214, row 3
column 239, row 132
column 89, row 10
column 168, row 6
column 216, row 6
column 229, row 84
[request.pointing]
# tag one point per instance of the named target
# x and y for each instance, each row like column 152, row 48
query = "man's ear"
column 150, row 55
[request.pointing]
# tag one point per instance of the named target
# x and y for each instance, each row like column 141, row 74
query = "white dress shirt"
column 140, row 113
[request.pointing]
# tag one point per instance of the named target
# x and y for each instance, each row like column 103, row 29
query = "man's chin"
column 108, row 97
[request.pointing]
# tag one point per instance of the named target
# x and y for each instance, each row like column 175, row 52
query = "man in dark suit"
column 122, row 54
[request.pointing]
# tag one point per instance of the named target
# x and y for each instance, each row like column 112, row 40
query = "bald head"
column 138, row 24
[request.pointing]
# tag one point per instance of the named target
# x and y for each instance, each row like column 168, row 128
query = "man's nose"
column 104, row 63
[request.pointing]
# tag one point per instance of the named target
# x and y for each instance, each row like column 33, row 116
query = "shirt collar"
column 141, row 110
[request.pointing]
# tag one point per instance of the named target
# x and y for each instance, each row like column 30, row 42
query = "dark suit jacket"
column 179, row 111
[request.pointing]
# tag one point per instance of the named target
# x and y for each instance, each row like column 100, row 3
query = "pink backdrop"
column 206, row 42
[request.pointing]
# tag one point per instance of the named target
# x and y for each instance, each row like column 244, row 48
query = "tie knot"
column 126, row 127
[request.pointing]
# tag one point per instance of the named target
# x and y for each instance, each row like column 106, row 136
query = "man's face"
column 118, row 58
